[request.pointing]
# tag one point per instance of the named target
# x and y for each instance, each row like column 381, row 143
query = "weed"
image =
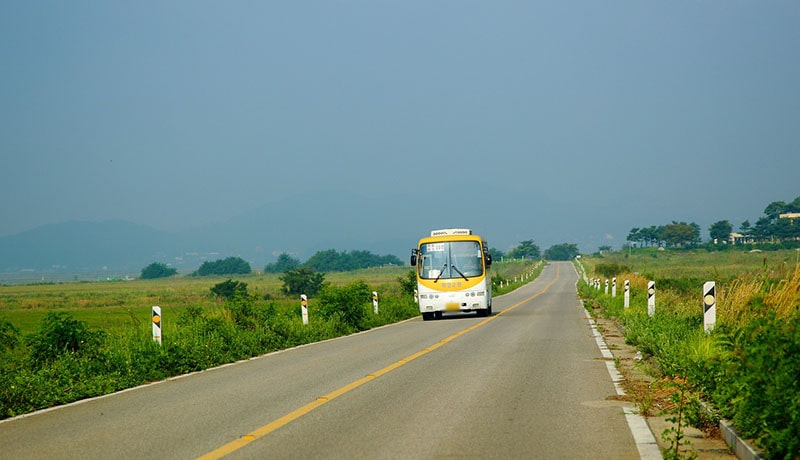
column 674, row 435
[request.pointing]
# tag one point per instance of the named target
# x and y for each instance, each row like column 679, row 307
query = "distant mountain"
column 380, row 222
column 86, row 246
column 301, row 226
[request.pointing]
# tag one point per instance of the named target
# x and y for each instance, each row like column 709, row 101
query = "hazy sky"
column 178, row 113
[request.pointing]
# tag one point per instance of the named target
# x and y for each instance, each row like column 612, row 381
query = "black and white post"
column 375, row 302
column 651, row 298
column 709, row 305
column 606, row 286
column 157, row 324
column 614, row 287
column 304, row 308
column 627, row 295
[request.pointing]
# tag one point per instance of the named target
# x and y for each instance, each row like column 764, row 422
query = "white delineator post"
column 614, row 287
column 304, row 308
column 627, row 295
column 651, row 298
column 606, row 286
column 157, row 324
column 375, row 302
column 416, row 296
column 709, row 305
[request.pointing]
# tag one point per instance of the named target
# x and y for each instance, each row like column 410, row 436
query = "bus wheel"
column 427, row 316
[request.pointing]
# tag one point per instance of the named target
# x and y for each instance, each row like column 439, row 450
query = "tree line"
column 323, row 261
column 770, row 228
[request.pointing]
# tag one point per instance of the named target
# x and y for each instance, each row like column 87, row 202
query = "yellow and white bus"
column 453, row 273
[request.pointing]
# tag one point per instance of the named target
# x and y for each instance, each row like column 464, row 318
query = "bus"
column 452, row 268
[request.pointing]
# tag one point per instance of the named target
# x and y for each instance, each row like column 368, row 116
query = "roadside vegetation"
column 61, row 342
column 747, row 370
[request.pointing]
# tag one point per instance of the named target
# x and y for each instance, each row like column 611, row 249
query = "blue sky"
column 622, row 113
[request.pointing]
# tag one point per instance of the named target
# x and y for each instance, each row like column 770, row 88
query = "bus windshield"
column 453, row 259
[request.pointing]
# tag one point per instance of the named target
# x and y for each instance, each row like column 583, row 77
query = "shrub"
column 347, row 303
column 9, row 335
column 228, row 290
column 61, row 334
column 764, row 381
column 303, row 280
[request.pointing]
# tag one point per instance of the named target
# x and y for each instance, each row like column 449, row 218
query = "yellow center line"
column 297, row 413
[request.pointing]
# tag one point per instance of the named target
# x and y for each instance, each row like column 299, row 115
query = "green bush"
column 302, row 280
column 9, row 335
column 61, row 334
column 346, row 303
column 764, row 384
column 229, row 289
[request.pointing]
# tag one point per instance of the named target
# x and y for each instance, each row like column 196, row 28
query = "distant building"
column 738, row 238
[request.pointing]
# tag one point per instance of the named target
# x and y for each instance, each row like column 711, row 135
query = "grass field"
column 108, row 305
column 113, row 304
column 716, row 265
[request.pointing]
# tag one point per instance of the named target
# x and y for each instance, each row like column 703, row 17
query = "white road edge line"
column 642, row 436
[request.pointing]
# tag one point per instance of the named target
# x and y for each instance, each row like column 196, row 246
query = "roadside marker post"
column 606, row 286
column 375, row 302
column 614, row 287
column 709, row 305
column 416, row 296
column 304, row 308
column 157, row 324
column 627, row 295
column 651, row 298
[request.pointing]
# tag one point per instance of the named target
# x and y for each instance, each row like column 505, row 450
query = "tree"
column 720, row 230
column 284, row 263
column 526, row 250
column 564, row 251
column 496, row 254
column 774, row 209
column 302, row 280
column 634, row 236
column 228, row 266
column 679, row 234
column 157, row 270
column 745, row 228
column 333, row 261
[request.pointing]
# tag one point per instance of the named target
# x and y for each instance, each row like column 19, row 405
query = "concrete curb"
column 741, row 448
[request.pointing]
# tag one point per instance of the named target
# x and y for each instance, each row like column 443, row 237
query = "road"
column 527, row 382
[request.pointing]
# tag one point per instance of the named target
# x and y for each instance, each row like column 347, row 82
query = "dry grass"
column 784, row 297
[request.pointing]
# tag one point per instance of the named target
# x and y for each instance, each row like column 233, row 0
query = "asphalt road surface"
column 527, row 382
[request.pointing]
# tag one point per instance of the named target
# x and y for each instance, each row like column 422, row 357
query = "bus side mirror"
column 413, row 257
column 488, row 260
